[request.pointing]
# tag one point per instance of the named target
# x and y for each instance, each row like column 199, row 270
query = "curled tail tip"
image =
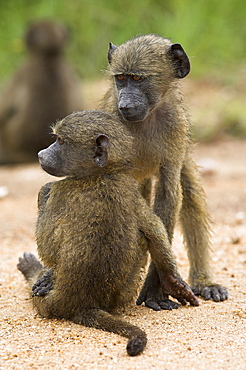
column 136, row 345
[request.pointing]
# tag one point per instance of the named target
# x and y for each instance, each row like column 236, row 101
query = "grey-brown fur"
column 94, row 229
column 43, row 90
column 153, row 110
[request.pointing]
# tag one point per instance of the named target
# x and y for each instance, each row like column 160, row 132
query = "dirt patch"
column 211, row 336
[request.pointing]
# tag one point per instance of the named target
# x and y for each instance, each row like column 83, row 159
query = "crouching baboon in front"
column 94, row 230
column 145, row 94
column 43, row 90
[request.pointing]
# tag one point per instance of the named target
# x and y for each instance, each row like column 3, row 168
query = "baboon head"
column 88, row 143
column 46, row 37
column 144, row 70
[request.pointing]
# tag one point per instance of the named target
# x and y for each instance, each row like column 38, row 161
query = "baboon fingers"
column 43, row 285
column 177, row 288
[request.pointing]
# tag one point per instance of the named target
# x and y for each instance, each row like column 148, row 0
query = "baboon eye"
column 60, row 141
column 120, row 77
column 137, row 78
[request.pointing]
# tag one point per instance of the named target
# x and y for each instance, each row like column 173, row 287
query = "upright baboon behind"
column 94, row 230
column 43, row 90
column 145, row 94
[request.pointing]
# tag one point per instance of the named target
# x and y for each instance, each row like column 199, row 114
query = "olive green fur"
column 164, row 149
column 94, row 230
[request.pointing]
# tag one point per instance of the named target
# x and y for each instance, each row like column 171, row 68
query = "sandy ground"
column 211, row 336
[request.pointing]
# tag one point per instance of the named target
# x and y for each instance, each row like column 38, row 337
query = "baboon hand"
column 179, row 289
column 43, row 285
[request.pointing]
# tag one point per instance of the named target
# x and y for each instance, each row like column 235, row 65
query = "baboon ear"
column 180, row 60
column 101, row 150
column 111, row 50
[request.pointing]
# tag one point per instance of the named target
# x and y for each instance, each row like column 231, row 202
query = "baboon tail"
column 100, row 319
column 29, row 266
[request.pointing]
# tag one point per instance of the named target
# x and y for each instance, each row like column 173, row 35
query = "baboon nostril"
column 123, row 108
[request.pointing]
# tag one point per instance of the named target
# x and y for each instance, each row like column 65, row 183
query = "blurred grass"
column 213, row 33
column 217, row 111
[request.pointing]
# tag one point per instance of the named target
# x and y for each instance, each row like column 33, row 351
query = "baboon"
column 43, row 90
column 145, row 94
column 94, row 230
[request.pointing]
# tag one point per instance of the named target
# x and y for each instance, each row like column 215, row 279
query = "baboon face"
column 133, row 98
column 87, row 144
column 64, row 158
column 144, row 69
column 57, row 159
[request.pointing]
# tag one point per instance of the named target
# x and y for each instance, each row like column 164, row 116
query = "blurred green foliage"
column 213, row 32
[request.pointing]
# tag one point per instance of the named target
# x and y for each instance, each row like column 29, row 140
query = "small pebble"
column 239, row 217
column 3, row 191
column 207, row 166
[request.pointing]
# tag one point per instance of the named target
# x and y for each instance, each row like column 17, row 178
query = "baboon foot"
column 29, row 265
column 211, row 291
column 156, row 302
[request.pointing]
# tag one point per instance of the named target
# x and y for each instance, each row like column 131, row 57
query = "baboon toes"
column 213, row 292
column 28, row 264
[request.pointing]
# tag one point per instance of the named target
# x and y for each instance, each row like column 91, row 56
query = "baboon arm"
column 168, row 197
column 43, row 195
column 163, row 260
column 159, row 246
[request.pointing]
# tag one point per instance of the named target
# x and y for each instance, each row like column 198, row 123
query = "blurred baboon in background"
column 43, row 90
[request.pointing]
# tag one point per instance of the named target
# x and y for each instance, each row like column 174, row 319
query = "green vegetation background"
column 213, row 33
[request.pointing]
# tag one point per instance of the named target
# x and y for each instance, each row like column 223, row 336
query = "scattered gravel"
column 211, row 336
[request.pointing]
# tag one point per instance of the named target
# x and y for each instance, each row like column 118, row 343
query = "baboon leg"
column 195, row 222
column 103, row 320
column 39, row 277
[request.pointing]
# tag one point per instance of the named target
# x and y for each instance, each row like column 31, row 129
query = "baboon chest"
column 149, row 151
